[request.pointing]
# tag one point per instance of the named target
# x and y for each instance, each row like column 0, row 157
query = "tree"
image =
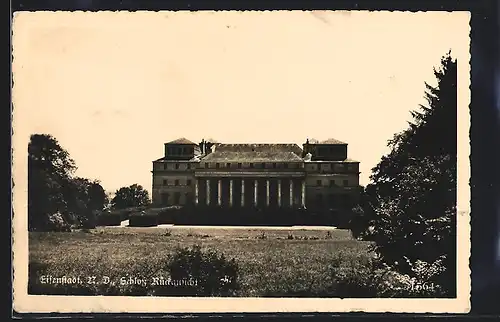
column 50, row 169
column 54, row 194
column 131, row 196
column 84, row 198
column 409, row 208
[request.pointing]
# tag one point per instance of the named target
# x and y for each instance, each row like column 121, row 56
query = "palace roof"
column 331, row 141
column 249, row 156
column 181, row 141
column 259, row 147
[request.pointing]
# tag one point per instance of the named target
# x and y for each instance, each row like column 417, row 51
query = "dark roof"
column 232, row 156
column 260, row 147
column 332, row 141
column 181, row 141
column 163, row 159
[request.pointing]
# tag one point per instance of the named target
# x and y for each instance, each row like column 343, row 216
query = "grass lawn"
column 270, row 261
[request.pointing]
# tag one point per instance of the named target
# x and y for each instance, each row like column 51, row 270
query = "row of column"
column 242, row 196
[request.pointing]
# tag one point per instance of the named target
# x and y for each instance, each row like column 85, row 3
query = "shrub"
column 168, row 215
column 108, row 219
column 363, row 277
column 143, row 219
column 211, row 272
column 57, row 222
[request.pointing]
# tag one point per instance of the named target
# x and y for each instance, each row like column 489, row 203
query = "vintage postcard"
column 241, row 161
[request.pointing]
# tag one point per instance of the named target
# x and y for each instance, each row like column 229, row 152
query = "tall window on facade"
column 176, row 166
column 239, row 165
column 318, row 183
column 228, row 165
column 274, row 165
column 188, row 182
column 164, row 198
column 189, row 166
column 251, row 165
column 165, row 182
column 206, row 165
column 177, row 198
column 332, row 183
column 164, row 166
column 176, row 182
column 217, row 166
column 331, row 200
column 346, row 183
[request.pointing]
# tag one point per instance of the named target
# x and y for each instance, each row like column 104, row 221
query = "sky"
column 113, row 87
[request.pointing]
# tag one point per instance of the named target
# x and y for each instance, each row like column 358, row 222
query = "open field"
column 272, row 262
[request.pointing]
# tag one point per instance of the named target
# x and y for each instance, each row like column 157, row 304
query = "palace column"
column 291, row 192
column 267, row 192
column 304, row 193
column 279, row 192
column 242, row 192
column 230, row 192
column 208, row 192
column 219, row 192
column 255, row 195
column 196, row 191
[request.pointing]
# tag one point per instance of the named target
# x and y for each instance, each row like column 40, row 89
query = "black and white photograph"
column 241, row 161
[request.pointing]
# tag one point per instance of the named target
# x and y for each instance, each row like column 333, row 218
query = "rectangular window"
column 164, row 198
column 189, row 166
column 274, row 165
column 217, row 166
column 251, row 165
column 176, row 166
column 165, row 182
column 332, row 183
column 177, row 198
column 239, row 165
column 228, row 165
column 318, row 183
column 164, row 166
column 346, row 183
column 176, row 182
column 188, row 182
column 206, row 165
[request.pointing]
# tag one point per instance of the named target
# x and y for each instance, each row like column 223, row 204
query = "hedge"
column 222, row 216
column 143, row 220
column 108, row 219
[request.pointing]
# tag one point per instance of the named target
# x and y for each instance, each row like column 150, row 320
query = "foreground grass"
column 272, row 262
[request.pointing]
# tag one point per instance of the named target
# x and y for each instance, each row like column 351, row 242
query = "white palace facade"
column 317, row 176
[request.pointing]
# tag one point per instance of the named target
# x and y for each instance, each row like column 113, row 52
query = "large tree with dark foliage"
column 131, row 196
column 409, row 208
column 84, row 198
column 50, row 169
column 53, row 189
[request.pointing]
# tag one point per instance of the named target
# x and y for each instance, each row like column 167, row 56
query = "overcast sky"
column 113, row 87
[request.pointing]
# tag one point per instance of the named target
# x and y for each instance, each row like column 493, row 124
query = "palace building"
column 317, row 176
